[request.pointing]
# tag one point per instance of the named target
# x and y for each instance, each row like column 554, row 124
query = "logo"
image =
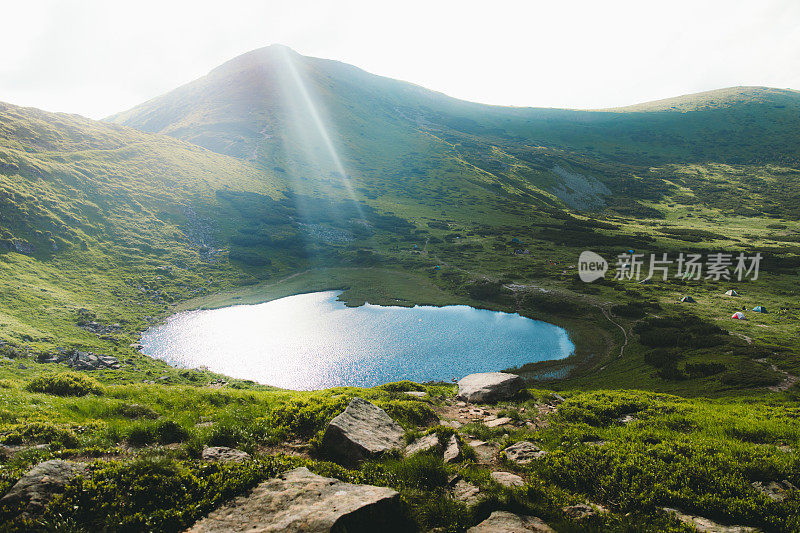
column 591, row 266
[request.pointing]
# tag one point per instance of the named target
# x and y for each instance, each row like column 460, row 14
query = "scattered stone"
column 489, row 387
column 582, row 511
column 484, row 452
column 362, row 431
column 455, row 424
column 705, row 525
column 557, row 398
column 453, row 451
column 81, row 360
column 423, row 444
column 627, row 419
column 505, row 522
column 507, row 479
column 300, row 501
column 524, row 452
column 775, row 490
column 497, row 422
column 416, row 393
column 461, row 404
column 465, row 492
column 223, row 454
column 37, row 487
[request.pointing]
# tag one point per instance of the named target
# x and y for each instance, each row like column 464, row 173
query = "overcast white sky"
column 99, row 57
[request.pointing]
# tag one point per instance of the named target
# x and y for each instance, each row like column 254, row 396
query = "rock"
column 485, row 452
column 362, row 431
column 300, row 501
column 37, row 487
column 705, row 525
column 416, row 393
column 489, row 387
column 223, row 454
column 582, row 511
column 626, row 419
column 465, row 492
column 775, row 490
column 505, row 522
column 497, row 422
column 455, row 424
column 423, row 444
column 453, row 451
column 507, row 479
column 523, row 452
column 82, row 360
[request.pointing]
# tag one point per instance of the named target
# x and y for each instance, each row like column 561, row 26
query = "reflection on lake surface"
column 313, row 341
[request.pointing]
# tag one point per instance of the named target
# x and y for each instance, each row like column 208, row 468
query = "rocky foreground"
column 299, row 500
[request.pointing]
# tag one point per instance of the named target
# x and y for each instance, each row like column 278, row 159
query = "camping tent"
column 687, row 300
column 760, row 309
column 731, row 293
column 738, row 315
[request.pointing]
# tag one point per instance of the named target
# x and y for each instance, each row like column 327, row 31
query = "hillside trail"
column 788, row 379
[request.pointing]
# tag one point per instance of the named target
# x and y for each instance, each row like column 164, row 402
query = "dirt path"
column 788, row 379
column 607, row 314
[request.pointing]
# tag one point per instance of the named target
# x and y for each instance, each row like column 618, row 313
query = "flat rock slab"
column 497, row 422
column 452, row 452
column 489, row 387
column 300, row 501
column 416, row 393
column 224, row 454
column 706, row 525
column 423, row 444
column 507, row 479
column 505, row 522
column 484, row 452
column 465, row 492
column 37, row 487
column 523, row 452
column 362, row 431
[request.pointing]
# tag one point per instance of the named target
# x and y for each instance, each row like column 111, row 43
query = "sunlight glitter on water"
column 312, row 341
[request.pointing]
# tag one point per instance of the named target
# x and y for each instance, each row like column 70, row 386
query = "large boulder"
column 362, row 431
column 299, row 500
column 505, row 522
column 37, row 487
column 507, row 479
column 489, row 387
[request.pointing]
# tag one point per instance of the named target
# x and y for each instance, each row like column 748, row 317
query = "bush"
column 134, row 411
column 698, row 370
column 65, row 384
column 402, row 386
column 164, row 432
column 41, row 433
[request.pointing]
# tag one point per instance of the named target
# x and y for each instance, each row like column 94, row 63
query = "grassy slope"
column 114, row 203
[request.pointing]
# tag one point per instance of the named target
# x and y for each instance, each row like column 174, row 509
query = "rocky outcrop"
column 362, row 431
column 523, row 452
column 489, row 387
column 300, row 501
column 582, row 511
column 223, row 454
column 485, row 453
column 775, row 490
column 505, row 522
column 423, row 444
column 82, row 360
column 36, row 488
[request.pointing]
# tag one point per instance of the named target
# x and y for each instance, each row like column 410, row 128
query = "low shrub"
column 65, row 384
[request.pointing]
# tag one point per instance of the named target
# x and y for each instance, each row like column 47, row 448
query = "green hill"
column 278, row 174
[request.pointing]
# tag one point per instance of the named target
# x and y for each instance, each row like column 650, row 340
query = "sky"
column 96, row 58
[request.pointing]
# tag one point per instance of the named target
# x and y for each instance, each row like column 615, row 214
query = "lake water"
column 313, row 341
